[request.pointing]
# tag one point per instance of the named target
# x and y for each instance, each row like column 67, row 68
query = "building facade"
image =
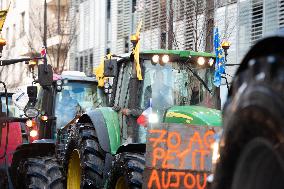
column 23, row 31
column 15, row 32
column 257, row 19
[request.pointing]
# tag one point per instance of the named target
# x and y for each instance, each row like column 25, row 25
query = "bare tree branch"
column 60, row 39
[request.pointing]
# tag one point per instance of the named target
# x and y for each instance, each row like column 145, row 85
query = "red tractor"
column 14, row 129
column 8, row 142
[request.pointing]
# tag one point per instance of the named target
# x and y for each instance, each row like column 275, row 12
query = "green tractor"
column 107, row 146
column 53, row 106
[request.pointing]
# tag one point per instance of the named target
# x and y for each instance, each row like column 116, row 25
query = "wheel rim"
column 121, row 184
column 74, row 171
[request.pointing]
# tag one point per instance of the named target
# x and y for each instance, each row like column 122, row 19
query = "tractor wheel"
column 40, row 173
column 261, row 166
column 254, row 109
column 85, row 157
column 127, row 171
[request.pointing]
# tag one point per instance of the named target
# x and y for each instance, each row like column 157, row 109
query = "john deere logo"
column 179, row 115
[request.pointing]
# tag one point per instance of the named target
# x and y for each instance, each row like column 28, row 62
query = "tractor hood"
column 195, row 115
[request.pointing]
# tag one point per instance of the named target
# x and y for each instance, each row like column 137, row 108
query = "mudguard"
column 106, row 123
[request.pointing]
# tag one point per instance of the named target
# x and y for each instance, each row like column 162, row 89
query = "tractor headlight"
column 155, row 58
column 153, row 118
column 165, row 58
column 29, row 123
column 215, row 152
column 216, row 148
column 59, row 82
column 33, row 133
column 201, row 61
column 58, row 88
column 31, row 112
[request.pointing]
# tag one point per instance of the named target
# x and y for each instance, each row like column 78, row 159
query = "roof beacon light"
column 155, row 58
column 165, row 58
column 201, row 61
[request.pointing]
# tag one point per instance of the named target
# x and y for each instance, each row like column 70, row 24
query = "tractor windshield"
column 174, row 84
column 74, row 98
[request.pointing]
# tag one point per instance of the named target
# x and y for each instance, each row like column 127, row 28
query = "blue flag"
column 220, row 59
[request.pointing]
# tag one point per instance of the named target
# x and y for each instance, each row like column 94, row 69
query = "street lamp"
column 45, row 24
column 226, row 45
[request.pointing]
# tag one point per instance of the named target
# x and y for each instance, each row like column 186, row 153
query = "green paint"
column 180, row 53
column 111, row 119
column 199, row 115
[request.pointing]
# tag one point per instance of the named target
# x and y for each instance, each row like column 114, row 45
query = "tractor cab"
column 178, row 78
column 14, row 136
column 176, row 84
column 72, row 93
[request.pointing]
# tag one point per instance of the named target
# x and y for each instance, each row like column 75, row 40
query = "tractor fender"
column 107, row 127
column 24, row 151
column 132, row 147
column 98, row 122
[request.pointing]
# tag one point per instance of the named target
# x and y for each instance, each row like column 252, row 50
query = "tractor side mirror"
column 45, row 75
column 30, row 110
column 110, row 68
column 32, row 93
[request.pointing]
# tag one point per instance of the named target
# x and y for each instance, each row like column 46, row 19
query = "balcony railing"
column 62, row 27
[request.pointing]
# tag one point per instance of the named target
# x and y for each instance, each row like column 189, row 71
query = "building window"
column 14, row 36
column 257, row 20
column 107, row 50
column 81, row 64
column 22, row 27
column 91, row 61
column 76, row 63
column 126, row 44
column 133, row 6
column 281, row 14
column 7, row 38
column 108, row 9
column 86, row 64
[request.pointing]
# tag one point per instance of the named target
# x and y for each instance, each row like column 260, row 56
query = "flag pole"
column 45, row 24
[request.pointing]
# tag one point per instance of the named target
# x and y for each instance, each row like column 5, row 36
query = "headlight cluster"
column 31, row 124
column 59, row 84
column 162, row 59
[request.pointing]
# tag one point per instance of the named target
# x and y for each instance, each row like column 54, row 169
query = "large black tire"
column 261, row 166
column 255, row 109
column 83, row 138
column 127, row 167
column 40, row 173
